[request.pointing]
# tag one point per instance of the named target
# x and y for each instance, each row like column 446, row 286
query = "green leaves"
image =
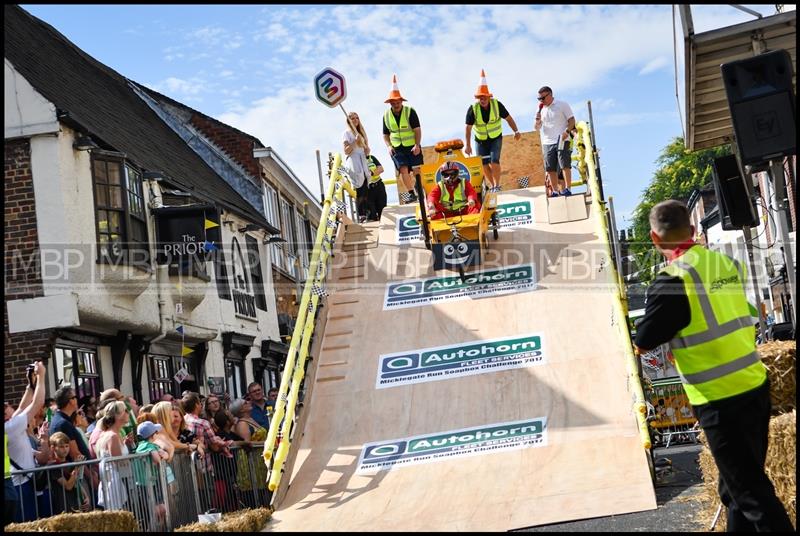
column 680, row 172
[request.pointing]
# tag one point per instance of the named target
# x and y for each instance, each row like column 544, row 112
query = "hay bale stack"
column 780, row 467
column 782, row 460
column 779, row 358
column 246, row 520
column 99, row 521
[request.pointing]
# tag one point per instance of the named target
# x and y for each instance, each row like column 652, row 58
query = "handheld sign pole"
column 348, row 118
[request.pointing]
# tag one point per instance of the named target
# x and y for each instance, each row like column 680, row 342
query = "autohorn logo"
column 418, row 292
column 455, row 361
column 516, row 214
column 453, row 444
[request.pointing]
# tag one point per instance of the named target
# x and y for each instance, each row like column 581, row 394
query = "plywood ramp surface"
column 588, row 461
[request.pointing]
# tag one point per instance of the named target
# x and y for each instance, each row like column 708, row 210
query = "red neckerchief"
column 680, row 249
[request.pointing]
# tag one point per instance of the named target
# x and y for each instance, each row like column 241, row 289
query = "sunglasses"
column 450, row 174
column 542, row 98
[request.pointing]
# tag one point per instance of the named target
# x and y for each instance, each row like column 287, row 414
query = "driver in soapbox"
column 452, row 196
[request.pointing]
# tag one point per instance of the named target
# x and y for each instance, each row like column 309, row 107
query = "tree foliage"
column 679, row 173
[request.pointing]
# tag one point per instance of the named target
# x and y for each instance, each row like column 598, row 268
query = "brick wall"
column 235, row 144
column 22, row 271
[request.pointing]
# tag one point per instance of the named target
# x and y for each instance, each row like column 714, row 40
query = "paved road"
column 674, row 513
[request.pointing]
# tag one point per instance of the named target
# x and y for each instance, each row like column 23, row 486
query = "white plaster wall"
column 106, row 370
column 118, row 297
column 26, row 111
column 264, row 327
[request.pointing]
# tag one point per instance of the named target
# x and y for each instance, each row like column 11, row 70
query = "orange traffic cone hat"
column 395, row 93
column 483, row 88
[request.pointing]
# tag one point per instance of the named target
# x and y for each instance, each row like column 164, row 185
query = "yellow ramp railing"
column 586, row 165
column 278, row 441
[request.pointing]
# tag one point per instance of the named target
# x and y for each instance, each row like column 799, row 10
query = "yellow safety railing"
column 586, row 164
column 276, row 450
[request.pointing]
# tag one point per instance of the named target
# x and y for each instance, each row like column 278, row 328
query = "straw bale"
column 246, row 520
column 779, row 357
column 781, row 467
column 99, row 521
column 199, row 527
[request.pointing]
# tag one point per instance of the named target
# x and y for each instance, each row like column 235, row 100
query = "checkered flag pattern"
column 523, row 181
column 332, row 223
column 340, row 206
column 319, row 290
column 343, row 171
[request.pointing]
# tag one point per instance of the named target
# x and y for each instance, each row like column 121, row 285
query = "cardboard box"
column 570, row 208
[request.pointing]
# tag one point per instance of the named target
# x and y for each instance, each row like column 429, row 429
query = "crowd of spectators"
column 59, row 431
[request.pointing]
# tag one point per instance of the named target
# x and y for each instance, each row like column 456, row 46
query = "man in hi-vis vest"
column 484, row 118
column 698, row 304
column 453, row 195
column 402, row 134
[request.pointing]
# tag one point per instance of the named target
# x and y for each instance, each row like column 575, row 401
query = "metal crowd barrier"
column 161, row 496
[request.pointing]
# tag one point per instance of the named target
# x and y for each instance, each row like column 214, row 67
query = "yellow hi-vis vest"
column 459, row 199
column 493, row 128
column 7, row 463
column 715, row 354
column 402, row 134
column 373, row 178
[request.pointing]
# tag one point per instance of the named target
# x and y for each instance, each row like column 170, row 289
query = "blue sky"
column 252, row 67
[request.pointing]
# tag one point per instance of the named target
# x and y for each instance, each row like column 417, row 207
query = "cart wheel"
column 495, row 225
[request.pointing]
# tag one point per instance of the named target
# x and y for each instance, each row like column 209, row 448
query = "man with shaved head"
column 698, row 304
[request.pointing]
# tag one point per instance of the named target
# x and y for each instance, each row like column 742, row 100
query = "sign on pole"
column 329, row 87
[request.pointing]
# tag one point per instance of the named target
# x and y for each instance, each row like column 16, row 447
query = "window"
column 78, row 368
column 271, row 205
column 289, row 234
column 303, row 245
column 256, row 275
column 234, row 374
column 160, row 371
column 121, row 221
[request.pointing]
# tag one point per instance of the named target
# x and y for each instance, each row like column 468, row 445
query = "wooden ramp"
column 484, row 439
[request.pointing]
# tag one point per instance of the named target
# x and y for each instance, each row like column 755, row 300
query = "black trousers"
column 362, row 200
column 737, row 429
column 376, row 197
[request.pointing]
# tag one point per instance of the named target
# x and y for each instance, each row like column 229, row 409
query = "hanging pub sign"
column 186, row 234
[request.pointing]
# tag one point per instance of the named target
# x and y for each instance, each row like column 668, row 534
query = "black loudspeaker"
column 761, row 102
column 734, row 198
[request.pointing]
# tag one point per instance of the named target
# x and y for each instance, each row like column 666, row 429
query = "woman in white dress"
column 356, row 149
column 111, row 493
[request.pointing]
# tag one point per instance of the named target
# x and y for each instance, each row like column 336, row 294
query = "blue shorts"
column 402, row 157
column 490, row 147
column 555, row 160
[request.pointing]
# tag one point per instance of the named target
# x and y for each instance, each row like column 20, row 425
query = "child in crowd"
column 68, row 489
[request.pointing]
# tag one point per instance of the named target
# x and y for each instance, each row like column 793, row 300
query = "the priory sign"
column 185, row 234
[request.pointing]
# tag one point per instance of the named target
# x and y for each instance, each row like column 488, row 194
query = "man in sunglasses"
column 556, row 122
column 452, row 196
column 67, row 402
